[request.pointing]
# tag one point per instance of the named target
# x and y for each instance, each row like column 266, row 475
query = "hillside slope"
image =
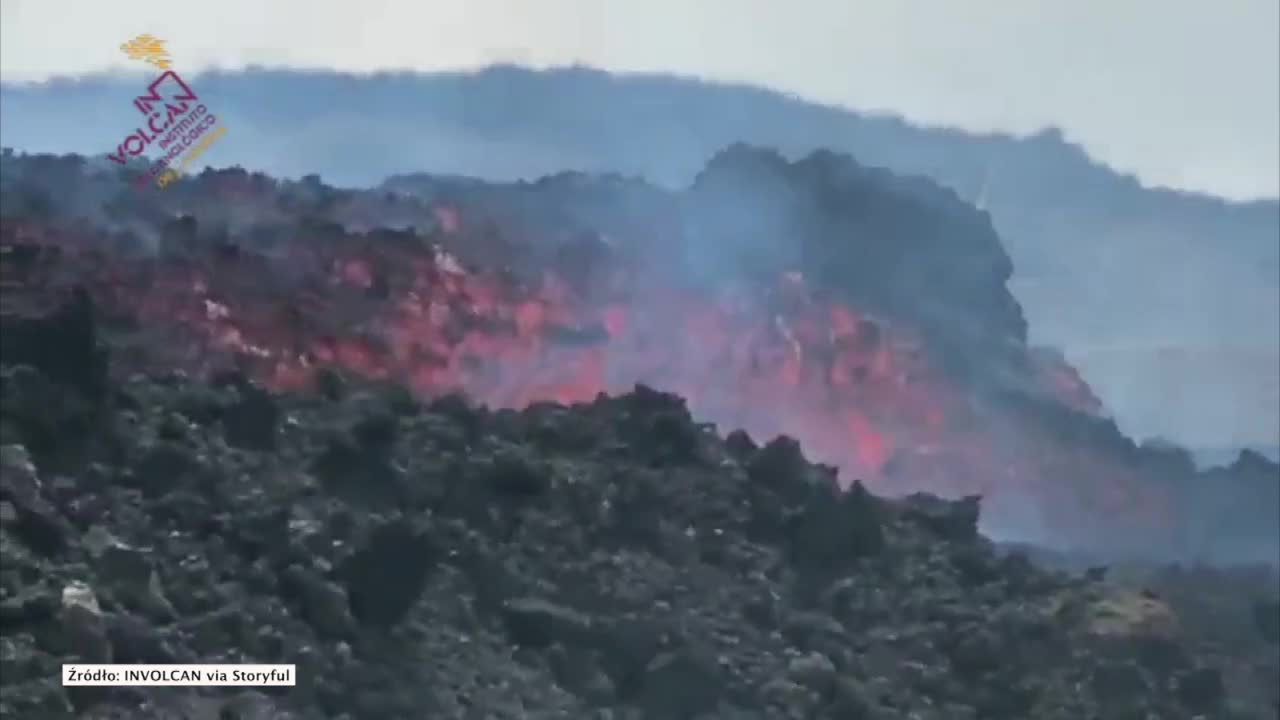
column 867, row 315
column 613, row 559
column 1119, row 275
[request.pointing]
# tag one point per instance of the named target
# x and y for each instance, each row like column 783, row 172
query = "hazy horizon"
column 1110, row 75
column 1178, row 96
column 1190, row 353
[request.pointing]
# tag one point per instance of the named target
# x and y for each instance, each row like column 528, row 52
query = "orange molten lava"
column 858, row 391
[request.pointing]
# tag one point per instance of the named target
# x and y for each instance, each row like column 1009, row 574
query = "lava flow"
column 859, row 392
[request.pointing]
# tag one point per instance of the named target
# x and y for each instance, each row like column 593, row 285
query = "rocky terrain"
column 613, row 559
column 447, row 447
column 1145, row 288
column 866, row 315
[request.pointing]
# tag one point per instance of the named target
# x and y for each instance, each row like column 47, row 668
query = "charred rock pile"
column 864, row 314
column 406, row 439
column 613, row 559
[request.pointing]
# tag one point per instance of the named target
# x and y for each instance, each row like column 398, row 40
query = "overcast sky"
column 1182, row 92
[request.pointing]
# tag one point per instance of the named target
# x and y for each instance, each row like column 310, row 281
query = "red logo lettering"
column 141, row 144
column 151, row 123
column 119, row 156
column 175, row 110
column 178, row 91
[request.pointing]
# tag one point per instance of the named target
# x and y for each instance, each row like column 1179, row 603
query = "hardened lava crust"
column 611, row 559
column 447, row 447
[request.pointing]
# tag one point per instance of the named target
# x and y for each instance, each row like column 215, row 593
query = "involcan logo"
column 176, row 120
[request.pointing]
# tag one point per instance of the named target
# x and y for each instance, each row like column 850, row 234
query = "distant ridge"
column 1222, row 457
column 1099, row 259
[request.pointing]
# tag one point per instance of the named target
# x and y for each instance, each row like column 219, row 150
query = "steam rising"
column 868, row 315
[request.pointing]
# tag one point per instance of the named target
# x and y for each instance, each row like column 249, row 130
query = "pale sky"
column 1184, row 93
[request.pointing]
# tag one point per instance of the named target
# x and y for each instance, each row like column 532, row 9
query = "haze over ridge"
column 1183, row 95
column 1169, row 300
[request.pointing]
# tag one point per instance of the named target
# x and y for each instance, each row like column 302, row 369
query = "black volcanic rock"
column 251, row 421
column 615, row 557
column 598, row 574
column 909, row 257
column 62, row 345
column 837, row 528
column 532, row 622
column 385, row 577
column 957, row 520
column 903, row 239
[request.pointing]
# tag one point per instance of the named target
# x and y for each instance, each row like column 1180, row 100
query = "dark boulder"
column 385, row 577
column 62, row 345
column 949, row 519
